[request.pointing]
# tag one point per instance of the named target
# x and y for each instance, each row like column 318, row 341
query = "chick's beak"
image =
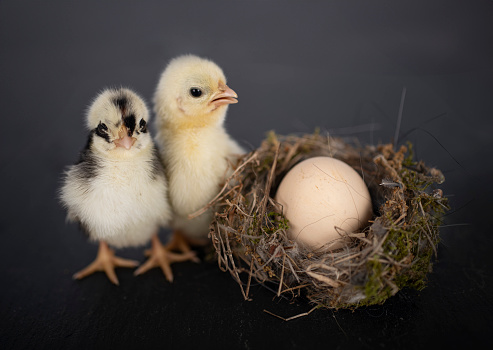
column 224, row 96
column 124, row 140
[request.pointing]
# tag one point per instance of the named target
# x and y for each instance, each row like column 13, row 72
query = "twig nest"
column 393, row 250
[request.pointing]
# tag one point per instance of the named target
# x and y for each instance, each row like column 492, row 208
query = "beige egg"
column 322, row 198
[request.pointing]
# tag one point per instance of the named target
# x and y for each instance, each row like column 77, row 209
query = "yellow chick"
column 190, row 103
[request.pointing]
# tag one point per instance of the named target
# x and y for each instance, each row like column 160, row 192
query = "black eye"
column 143, row 126
column 195, row 92
column 101, row 131
column 102, row 128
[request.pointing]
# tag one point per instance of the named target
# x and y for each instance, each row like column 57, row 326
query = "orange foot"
column 161, row 256
column 105, row 261
column 181, row 243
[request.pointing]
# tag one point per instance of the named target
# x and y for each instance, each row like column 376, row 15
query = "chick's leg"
column 161, row 256
column 182, row 244
column 105, row 261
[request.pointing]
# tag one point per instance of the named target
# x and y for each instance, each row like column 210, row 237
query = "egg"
column 323, row 198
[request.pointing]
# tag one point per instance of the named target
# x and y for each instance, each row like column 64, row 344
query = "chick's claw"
column 105, row 261
column 161, row 256
column 180, row 243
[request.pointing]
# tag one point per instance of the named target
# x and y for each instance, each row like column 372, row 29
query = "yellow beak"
column 224, row 96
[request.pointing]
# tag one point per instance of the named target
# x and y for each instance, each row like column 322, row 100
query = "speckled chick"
column 117, row 191
column 190, row 103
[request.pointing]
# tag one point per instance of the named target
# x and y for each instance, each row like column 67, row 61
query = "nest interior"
column 395, row 250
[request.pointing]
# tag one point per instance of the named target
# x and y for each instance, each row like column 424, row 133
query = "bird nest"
column 393, row 251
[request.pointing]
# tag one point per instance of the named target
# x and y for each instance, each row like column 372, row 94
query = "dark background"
column 338, row 65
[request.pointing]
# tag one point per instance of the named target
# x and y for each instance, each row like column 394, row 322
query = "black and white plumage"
column 117, row 191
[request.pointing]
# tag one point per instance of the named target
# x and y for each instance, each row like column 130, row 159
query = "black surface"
column 337, row 65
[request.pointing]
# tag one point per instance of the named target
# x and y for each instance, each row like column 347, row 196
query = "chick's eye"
column 195, row 92
column 143, row 126
column 102, row 131
column 102, row 128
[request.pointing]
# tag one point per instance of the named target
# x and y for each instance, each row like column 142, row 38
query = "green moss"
column 376, row 291
column 408, row 241
column 409, row 159
column 272, row 137
column 278, row 222
column 415, row 276
column 398, row 244
column 254, row 231
column 265, row 164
